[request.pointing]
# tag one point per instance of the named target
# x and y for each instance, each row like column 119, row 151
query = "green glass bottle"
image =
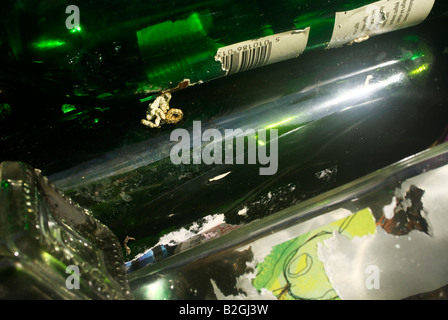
column 338, row 117
column 110, row 48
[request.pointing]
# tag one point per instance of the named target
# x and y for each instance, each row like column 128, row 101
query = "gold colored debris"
column 159, row 112
column 174, row 116
column 128, row 250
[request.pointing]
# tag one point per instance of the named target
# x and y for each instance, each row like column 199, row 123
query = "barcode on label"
column 234, row 61
column 259, row 52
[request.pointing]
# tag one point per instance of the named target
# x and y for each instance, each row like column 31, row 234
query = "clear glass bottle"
column 50, row 247
column 380, row 237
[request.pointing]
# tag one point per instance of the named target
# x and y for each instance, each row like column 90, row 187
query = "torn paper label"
column 292, row 269
column 389, row 266
column 255, row 53
column 384, row 266
column 376, row 18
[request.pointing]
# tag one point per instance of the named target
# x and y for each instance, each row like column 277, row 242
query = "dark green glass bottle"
column 138, row 46
column 338, row 117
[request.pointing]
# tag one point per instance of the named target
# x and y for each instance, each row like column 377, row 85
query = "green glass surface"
column 326, row 120
column 137, row 46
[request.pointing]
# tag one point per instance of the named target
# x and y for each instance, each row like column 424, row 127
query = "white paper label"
column 255, row 53
column 376, row 18
column 408, row 264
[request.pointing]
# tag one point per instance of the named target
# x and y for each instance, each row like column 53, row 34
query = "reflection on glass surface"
column 379, row 237
column 338, row 119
